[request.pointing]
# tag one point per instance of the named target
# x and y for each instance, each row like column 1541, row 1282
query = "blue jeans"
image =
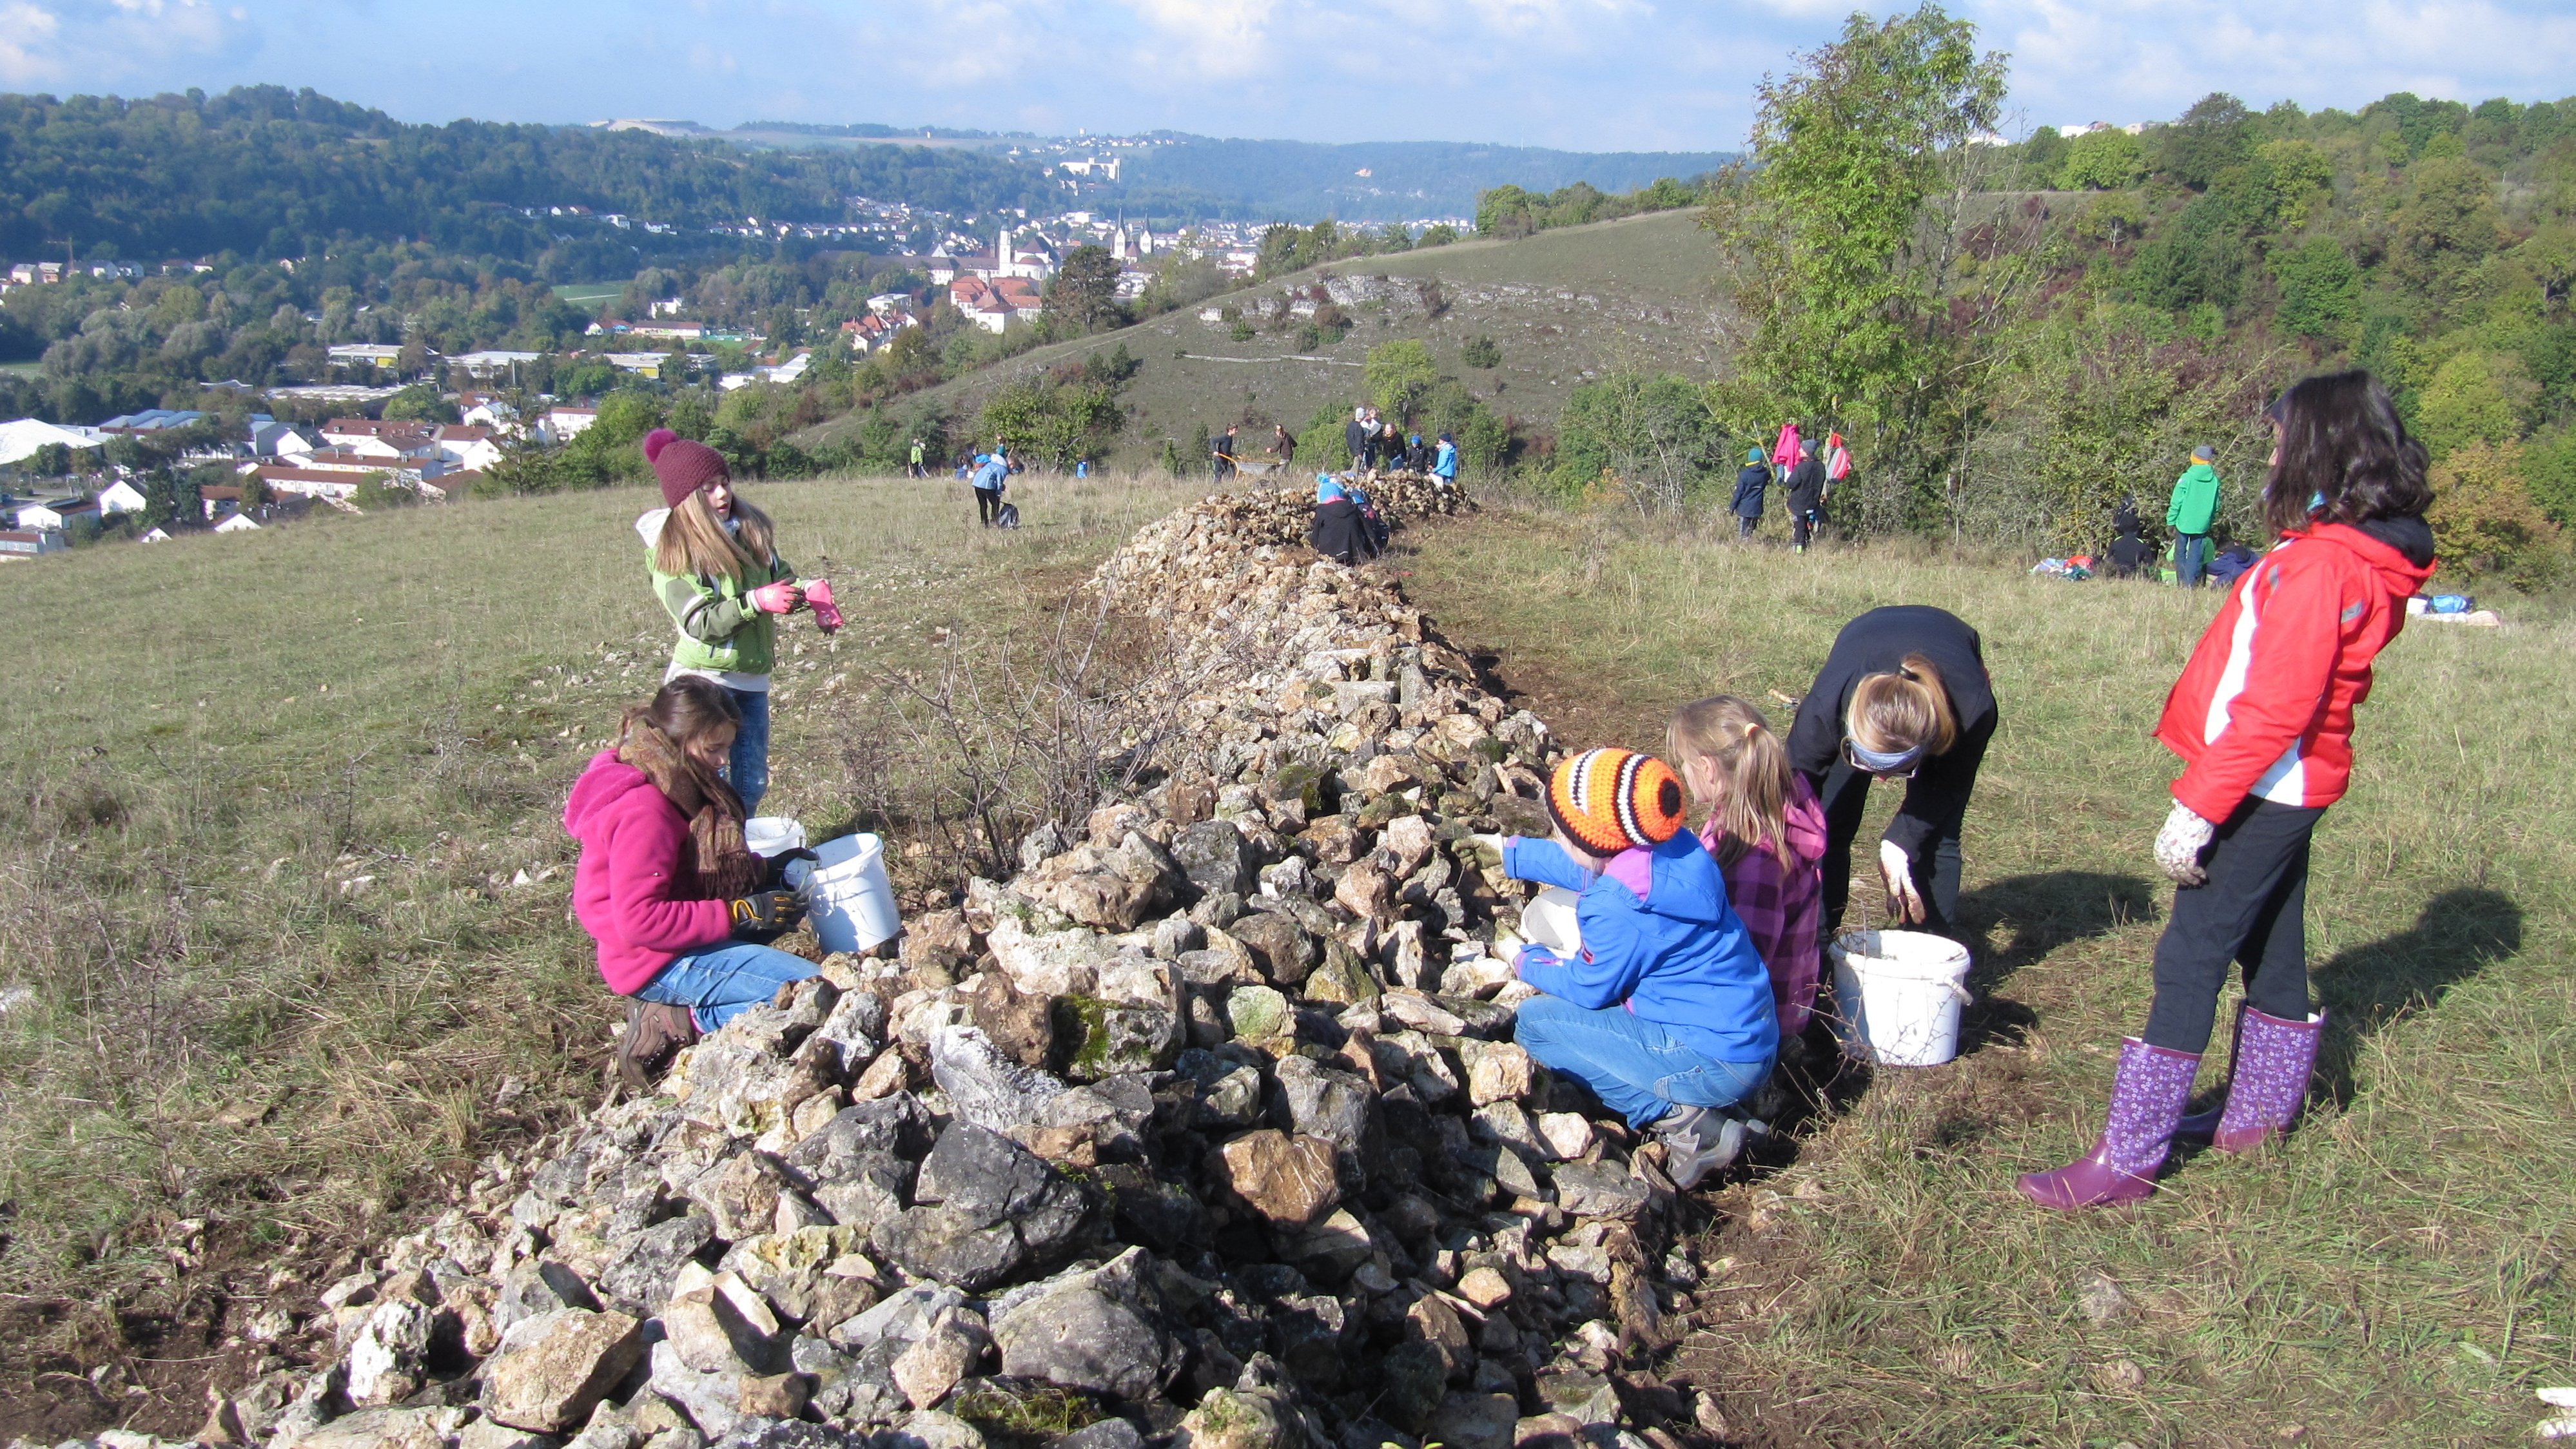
column 720, row 982
column 748, row 771
column 2191, row 555
column 1637, row 1069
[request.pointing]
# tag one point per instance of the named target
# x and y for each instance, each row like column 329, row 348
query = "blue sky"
column 1577, row 74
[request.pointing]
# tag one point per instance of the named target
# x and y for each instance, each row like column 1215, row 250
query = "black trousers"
column 1745, row 524
column 1844, row 794
column 988, row 505
column 2250, row 911
column 1803, row 524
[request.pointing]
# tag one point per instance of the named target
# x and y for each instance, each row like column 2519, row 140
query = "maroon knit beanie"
column 683, row 466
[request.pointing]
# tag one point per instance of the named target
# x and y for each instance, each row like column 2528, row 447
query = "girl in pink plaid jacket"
column 1767, row 833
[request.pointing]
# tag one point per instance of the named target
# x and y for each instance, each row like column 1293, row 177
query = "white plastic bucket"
column 847, row 896
column 1899, row 994
column 772, row 834
column 1548, row 920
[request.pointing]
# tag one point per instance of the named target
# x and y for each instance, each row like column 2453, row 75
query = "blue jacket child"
column 1666, row 1011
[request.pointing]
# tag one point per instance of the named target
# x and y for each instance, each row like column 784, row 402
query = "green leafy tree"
column 1438, row 234
column 2106, row 160
column 1481, row 351
column 2485, row 520
column 2448, row 226
column 1084, row 293
column 2300, row 178
column 2216, row 133
column 1654, row 434
column 420, row 403
column 2042, row 156
column 1846, row 224
column 1054, row 423
column 2320, row 291
column 1400, row 375
column 2476, row 397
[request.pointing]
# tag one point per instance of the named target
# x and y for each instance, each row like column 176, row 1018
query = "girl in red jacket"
column 2262, row 718
column 665, row 882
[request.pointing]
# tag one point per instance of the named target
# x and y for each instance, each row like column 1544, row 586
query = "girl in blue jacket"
column 1665, row 1011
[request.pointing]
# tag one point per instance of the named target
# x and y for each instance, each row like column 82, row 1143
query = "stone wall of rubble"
column 1206, row 1130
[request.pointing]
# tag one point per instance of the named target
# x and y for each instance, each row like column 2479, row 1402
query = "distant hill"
column 269, row 172
column 1385, row 180
column 1188, row 177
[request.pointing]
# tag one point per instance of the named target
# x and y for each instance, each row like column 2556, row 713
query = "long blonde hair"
column 1752, row 765
column 1906, row 710
column 695, row 541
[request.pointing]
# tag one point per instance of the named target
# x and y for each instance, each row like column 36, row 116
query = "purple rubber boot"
column 2146, row 1105
column 2274, row 1058
column 2199, row 1127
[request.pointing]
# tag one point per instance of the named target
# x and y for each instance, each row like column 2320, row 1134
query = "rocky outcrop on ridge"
column 1206, row 1130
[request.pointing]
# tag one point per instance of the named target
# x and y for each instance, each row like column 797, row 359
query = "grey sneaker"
column 1702, row 1140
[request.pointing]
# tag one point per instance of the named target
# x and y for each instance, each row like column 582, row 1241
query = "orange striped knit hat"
column 1607, row 801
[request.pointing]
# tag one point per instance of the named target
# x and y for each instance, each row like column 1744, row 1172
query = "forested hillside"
column 268, row 172
column 2431, row 242
column 2014, row 338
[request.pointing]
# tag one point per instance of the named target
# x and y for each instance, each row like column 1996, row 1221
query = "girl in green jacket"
column 717, row 572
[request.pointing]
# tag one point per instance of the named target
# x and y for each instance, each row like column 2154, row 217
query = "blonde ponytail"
column 1752, row 766
column 1894, row 714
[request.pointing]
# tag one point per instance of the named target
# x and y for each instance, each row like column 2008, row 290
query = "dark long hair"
column 2345, row 456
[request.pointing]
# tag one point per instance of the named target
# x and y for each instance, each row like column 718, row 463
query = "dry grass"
column 284, row 932
column 2396, row 1274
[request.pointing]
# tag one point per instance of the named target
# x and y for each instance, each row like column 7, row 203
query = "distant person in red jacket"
column 666, row 885
column 2262, row 718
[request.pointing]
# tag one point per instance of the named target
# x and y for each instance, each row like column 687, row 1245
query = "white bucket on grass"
column 847, row 896
column 1548, row 920
column 1898, row 995
column 772, row 834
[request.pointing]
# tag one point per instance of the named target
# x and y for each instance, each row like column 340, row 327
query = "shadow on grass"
column 2364, row 989
column 2014, row 922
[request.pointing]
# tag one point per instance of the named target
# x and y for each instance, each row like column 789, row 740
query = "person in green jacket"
column 2195, row 502
column 716, row 570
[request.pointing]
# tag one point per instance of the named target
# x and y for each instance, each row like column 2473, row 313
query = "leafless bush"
column 1005, row 740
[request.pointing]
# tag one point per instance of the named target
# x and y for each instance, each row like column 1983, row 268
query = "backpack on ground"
column 1009, row 517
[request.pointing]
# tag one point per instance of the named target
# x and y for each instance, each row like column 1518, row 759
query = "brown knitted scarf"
column 725, row 864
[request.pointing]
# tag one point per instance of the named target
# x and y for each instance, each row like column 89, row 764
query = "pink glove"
column 818, row 597
column 781, row 597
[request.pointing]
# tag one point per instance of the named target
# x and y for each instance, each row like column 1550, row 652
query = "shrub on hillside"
column 1481, row 351
column 2485, row 521
column 1654, row 434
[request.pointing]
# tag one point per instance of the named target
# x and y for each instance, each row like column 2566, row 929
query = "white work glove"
column 2179, row 844
column 1896, row 872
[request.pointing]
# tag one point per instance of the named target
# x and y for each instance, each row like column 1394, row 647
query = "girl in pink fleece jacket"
column 666, row 884
column 1767, row 833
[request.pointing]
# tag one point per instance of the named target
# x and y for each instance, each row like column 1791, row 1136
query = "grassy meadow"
column 285, row 949
column 284, row 926
column 2396, row 1274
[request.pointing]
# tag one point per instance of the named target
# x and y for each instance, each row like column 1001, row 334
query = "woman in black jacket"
column 1806, row 484
column 1903, row 696
column 1341, row 533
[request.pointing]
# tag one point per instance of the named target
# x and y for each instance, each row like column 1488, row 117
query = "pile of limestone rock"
column 1207, row 1129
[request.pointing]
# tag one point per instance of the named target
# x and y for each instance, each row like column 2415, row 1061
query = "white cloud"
column 93, row 47
column 2125, row 60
